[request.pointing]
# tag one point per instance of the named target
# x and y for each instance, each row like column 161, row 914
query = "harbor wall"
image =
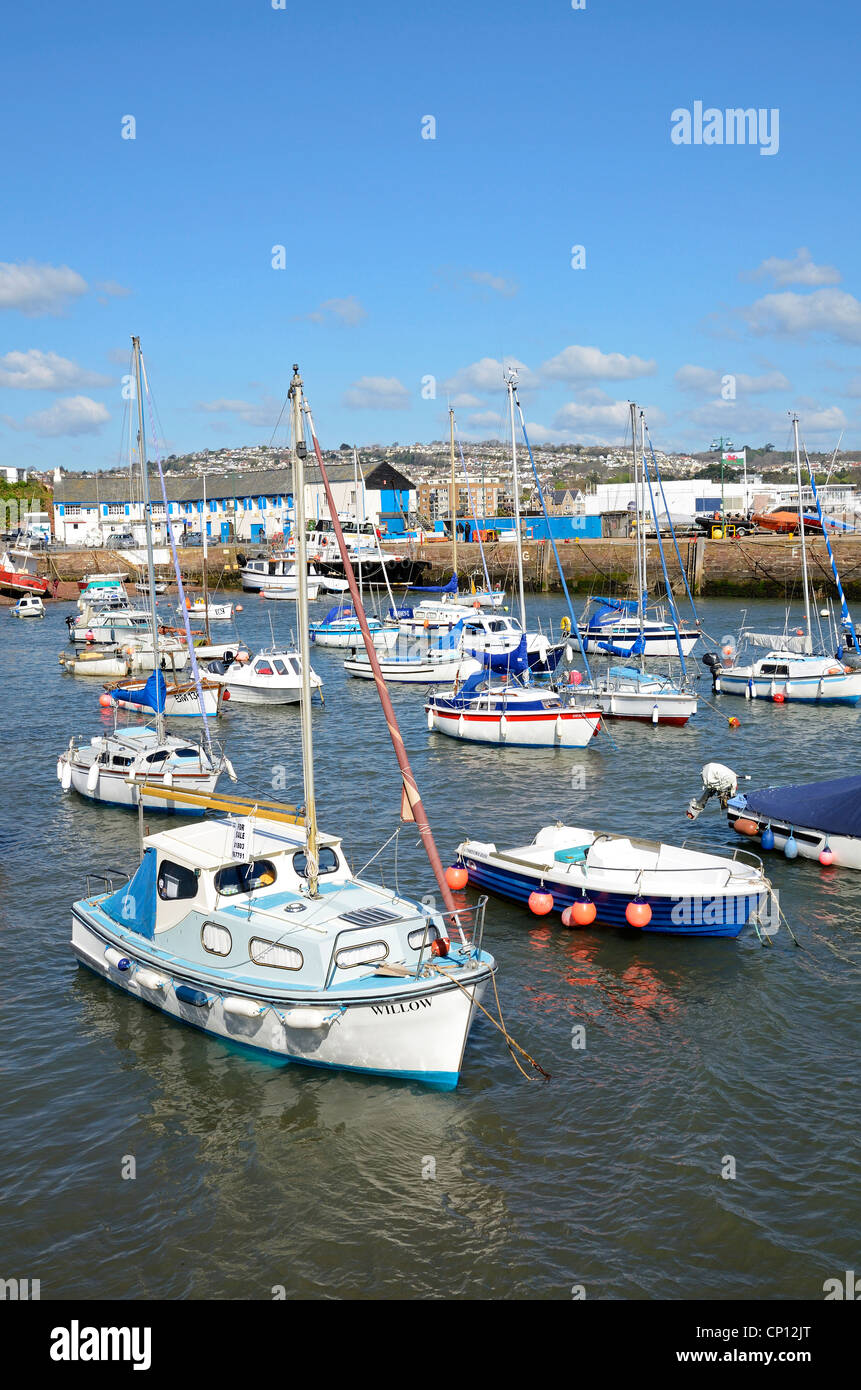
column 755, row 566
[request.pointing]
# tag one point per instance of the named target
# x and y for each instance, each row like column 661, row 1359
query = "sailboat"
column 114, row 767
column 632, row 691
column 515, row 712
column 790, row 670
column 253, row 927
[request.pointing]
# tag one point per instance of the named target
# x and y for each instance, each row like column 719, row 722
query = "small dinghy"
column 622, row 882
column 96, row 661
column 806, row 820
column 213, row 612
column 29, row 606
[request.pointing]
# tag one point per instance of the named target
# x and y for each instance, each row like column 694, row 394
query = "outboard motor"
column 718, row 781
column 711, row 661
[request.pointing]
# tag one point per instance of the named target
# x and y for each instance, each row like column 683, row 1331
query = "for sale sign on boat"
column 242, row 834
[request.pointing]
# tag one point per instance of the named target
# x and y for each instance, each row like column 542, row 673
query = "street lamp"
column 723, row 445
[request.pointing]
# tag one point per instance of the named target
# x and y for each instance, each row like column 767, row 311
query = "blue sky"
column 719, row 285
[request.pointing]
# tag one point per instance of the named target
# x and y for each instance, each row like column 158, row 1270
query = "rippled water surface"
column 252, row 1175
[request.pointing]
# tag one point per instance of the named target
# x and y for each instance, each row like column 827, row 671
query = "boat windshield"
column 244, row 878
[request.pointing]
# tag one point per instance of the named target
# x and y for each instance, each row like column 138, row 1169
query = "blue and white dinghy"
column 230, row 940
column 622, row 882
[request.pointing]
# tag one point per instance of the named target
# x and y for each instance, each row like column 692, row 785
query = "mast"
column 637, row 520
column 808, row 646
column 641, row 530
column 411, row 802
column 453, row 507
column 511, row 382
column 295, row 396
column 205, row 581
column 147, row 511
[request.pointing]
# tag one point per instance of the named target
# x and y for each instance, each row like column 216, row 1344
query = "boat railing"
column 741, row 856
column 107, row 879
column 738, row 855
column 465, row 924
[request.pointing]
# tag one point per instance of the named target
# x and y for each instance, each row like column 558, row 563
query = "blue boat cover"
column 449, row 588
column 152, row 694
column 341, row 610
column 636, row 648
column 833, row 807
column 133, row 905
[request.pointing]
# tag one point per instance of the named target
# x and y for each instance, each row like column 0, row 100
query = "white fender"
column 569, row 652
column 461, row 725
column 228, row 768
column 93, row 777
column 654, row 714
column 113, row 956
column 557, row 728
column 306, row 1017
column 239, row 1007
column 148, row 979
column 503, row 725
column 167, row 780
column 431, row 720
column 61, row 763
column 66, row 779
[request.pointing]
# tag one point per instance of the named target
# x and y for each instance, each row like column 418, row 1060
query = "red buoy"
column 746, row 827
column 566, row 917
column 584, row 912
column 456, row 876
column 638, row 913
column 440, row 946
column 105, row 701
column 778, row 697
column 826, row 855
column 575, row 677
column 540, row 903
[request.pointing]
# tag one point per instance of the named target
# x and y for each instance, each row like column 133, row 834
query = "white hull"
column 562, row 729
column 114, row 789
column 95, row 666
column 416, row 672
column 218, row 612
column 659, row 643
column 421, row 1034
column 846, row 849
column 289, row 591
column 262, row 695
column 352, row 638
column 843, row 689
column 649, row 708
column 183, row 704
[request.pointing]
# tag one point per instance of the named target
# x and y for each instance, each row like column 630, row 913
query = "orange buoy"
column 105, row 701
column 826, row 855
column 734, row 723
column 638, row 913
column 440, row 946
column 778, row 697
column 456, row 876
column 540, row 903
column 584, row 911
column 747, row 827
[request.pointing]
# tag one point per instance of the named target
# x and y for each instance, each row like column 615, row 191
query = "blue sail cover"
column 152, row 694
column 449, row 588
column 133, row 905
column 512, row 663
column 340, row 610
column 833, row 807
column 636, row 648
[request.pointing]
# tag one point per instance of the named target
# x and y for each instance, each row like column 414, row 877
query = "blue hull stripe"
column 730, row 914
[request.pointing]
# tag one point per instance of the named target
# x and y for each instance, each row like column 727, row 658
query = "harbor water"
column 697, row 1138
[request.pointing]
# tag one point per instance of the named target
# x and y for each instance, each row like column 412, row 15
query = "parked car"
column 121, row 540
column 193, row 538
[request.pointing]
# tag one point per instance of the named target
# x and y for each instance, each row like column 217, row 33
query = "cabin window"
column 295, row 665
column 121, row 762
column 270, row 953
column 159, row 756
column 367, row 954
column 185, row 753
column 328, row 861
column 279, row 666
column 217, row 940
column 244, row 878
column 176, row 881
column 423, row 936
column 262, row 668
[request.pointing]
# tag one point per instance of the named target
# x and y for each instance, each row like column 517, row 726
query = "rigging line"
column 671, row 601
column 278, row 421
column 483, row 507
column 672, row 527
column 195, row 669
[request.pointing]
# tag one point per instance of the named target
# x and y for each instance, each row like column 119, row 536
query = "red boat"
column 18, row 574
column 785, row 522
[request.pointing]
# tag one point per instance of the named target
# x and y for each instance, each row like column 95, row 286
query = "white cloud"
column 112, row 289
column 825, row 311
column 35, row 289
column 69, row 416
column 347, row 311
column 464, row 401
column 591, row 364
column 486, row 280
column 488, row 375
column 800, row 270
column 705, row 381
column 377, row 393
column 45, row 371
column 576, row 415
column 260, row 416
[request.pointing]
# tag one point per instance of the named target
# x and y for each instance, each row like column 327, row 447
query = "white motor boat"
column 291, row 591
column 435, row 667
column 272, row 677
column 29, row 606
column 112, row 768
column 616, row 630
column 341, row 628
column 682, row 890
column 512, row 715
column 96, row 661
column 782, row 675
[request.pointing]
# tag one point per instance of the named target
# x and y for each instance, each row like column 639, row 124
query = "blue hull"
column 709, row 916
